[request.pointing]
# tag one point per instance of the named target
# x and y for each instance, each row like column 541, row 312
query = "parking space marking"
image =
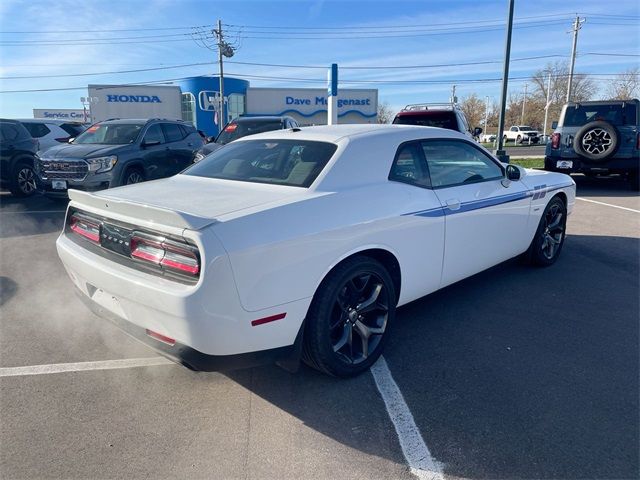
column 83, row 366
column 415, row 451
column 608, row 204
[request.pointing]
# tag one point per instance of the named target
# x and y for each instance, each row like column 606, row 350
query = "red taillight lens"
column 169, row 254
column 231, row 127
column 85, row 227
column 555, row 141
column 161, row 338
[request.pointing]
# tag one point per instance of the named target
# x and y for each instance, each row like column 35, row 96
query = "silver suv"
column 597, row 138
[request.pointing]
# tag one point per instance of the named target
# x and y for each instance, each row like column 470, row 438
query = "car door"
column 420, row 228
column 485, row 221
column 179, row 153
column 154, row 153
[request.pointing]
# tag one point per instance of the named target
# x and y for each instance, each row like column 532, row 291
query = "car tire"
column 596, row 141
column 133, row 175
column 549, row 238
column 23, row 178
column 504, row 140
column 349, row 318
column 519, row 140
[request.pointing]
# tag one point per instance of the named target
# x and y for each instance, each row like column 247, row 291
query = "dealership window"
column 189, row 108
column 235, row 106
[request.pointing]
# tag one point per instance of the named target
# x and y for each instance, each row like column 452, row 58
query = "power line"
column 108, row 30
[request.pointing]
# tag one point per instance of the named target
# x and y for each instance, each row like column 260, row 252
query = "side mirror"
column 513, row 173
column 477, row 131
column 554, row 125
column 70, row 139
column 149, row 143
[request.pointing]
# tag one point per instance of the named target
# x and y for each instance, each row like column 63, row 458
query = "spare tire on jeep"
column 596, row 141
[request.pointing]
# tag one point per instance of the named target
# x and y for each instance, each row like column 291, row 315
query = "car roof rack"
column 412, row 107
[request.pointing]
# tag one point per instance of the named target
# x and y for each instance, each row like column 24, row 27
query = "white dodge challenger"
column 301, row 243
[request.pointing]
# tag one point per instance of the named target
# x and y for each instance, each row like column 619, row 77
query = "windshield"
column 614, row 114
column 429, row 119
column 233, row 131
column 110, row 134
column 284, row 162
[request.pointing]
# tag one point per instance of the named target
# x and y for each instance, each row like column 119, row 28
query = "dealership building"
column 195, row 100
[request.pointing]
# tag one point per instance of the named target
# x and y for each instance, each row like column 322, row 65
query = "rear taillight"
column 555, row 141
column 85, row 227
column 175, row 256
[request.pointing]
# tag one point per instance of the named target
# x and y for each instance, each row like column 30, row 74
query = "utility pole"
column 524, row 102
column 546, row 107
column 500, row 153
column 577, row 25
column 454, row 99
column 221, row 117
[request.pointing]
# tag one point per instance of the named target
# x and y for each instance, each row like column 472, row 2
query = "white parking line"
column 413, row 447
column 608, row 204
column 83, row 366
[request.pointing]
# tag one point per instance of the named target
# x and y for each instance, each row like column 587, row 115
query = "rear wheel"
column 349, row 318
column 23, row 179
column 547, row 244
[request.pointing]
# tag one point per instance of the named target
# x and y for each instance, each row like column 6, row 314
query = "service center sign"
column 60, row 114
column 310, row 101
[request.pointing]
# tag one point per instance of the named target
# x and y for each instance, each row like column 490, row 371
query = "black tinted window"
column 409, row 167
column 576, row 116
column 233, row 131
column 429, row 119
column 456, row 163
column 8, row 131
column 37, row 130
column 283, row 162
column 154, row 134
column 172, row 132
column 72, row 129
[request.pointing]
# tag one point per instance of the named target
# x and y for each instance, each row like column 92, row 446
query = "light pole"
column 500, row 153
column 546, row 108
column 577, row 25
column 524, row 102
column 486, row 113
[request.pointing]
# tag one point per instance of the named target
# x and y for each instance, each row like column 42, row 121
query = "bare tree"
column 385, row 114
column 625, row 86
column 474, row 109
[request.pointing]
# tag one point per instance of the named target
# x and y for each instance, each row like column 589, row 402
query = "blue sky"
column 400, row 33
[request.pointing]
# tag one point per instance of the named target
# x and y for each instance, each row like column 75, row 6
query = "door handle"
column 453, row 204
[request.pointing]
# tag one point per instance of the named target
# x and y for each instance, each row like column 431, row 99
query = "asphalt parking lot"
column 513, row 373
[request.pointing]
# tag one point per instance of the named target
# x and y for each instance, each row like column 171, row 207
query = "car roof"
column 605, row 102
column 418, row 113
column 56, row 121
column 128, row 121
column 263, row 118
column 334, row 133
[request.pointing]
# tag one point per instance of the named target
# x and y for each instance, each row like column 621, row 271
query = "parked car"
column 243, row 126
column 521, row 134
column 597, row 138
column 449, row 116
column 488, row 138
column 118, row 152
column 305, row 241
column 52, row 132
column 17, row 153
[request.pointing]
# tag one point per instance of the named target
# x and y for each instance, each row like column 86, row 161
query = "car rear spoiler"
column 161, row 216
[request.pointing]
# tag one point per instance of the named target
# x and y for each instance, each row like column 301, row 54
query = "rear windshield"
column 233, row 131
column 110, row 134
column 282, row 162
column 429, row 119
column 576, row 116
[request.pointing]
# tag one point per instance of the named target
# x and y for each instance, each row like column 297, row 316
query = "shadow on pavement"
column 33, row 215
column 8, row 289
column 612, row 186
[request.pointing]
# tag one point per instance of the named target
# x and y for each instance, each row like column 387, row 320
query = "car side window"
column 154, row 134
column 453, row 163
column 409, row 166
column 172, row 132
column 514, row 129
column 37, row 130
column 9, row 132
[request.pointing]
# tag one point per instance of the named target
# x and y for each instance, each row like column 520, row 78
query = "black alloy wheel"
column 547, row 244
column 349, row 318
column 23, row 183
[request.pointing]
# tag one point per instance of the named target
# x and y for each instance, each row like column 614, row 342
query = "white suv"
column 52, row 132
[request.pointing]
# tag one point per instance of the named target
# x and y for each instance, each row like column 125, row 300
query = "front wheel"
column 349, row 318
column 133, row 175
column 23, row 181
column 547, row 244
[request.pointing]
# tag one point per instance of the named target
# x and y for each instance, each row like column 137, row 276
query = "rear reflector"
column 161, row 338
column 272, row 318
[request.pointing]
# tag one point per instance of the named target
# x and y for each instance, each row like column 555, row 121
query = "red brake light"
column 231, row 127
column 169, row 254
column 555, row 141
column 84, row 227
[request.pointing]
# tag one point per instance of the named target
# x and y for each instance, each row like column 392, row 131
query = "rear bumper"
column 191, row 358
column 579, row 164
